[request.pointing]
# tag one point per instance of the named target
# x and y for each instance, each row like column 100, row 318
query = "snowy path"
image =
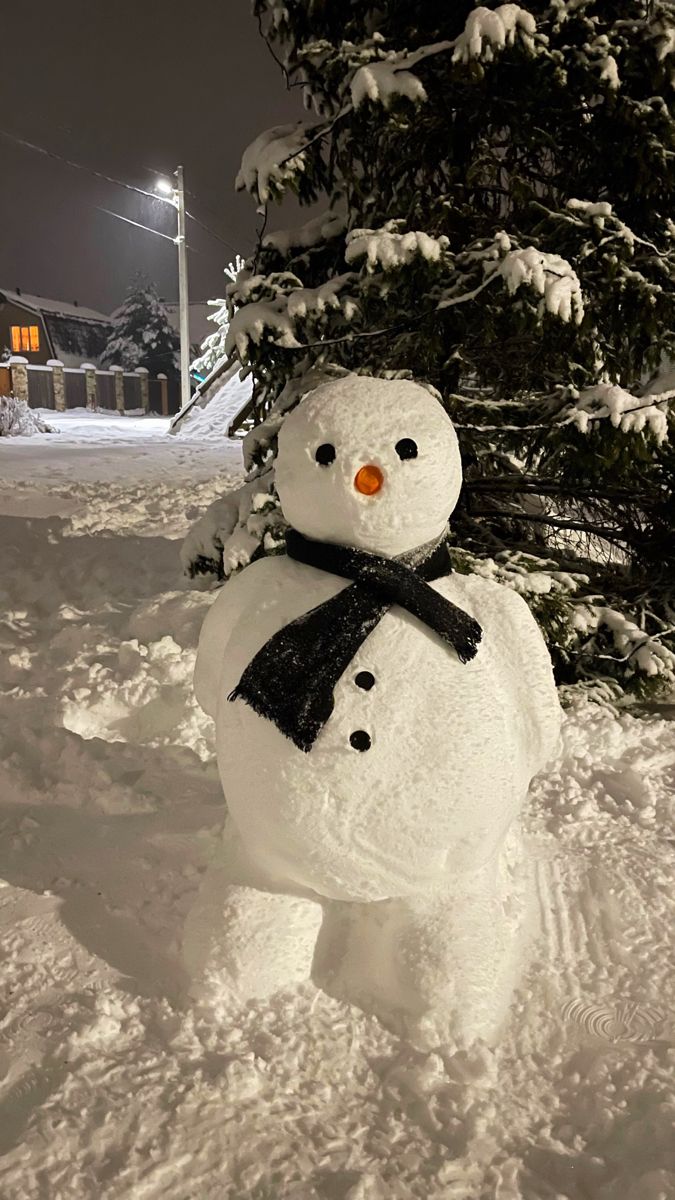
column 109, row 806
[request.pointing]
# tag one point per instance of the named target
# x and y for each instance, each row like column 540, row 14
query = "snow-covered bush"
column 18, row 420
column 498, row 183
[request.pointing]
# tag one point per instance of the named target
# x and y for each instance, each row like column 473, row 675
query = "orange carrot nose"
column 368, row 480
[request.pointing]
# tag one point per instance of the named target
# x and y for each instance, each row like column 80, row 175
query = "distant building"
column 39, row 329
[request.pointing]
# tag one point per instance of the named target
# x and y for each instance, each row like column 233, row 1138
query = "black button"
column 364, row 680
column 360, row 740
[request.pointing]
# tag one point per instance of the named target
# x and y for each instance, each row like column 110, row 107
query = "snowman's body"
column 411, row 832
column 453, row 746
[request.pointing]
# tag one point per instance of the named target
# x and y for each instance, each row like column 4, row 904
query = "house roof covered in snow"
column 76, row 333
column 58, row 307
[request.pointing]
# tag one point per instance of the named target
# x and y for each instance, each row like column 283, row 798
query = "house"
column 39, row 329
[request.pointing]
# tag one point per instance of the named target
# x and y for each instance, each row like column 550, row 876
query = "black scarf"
column 292, row 678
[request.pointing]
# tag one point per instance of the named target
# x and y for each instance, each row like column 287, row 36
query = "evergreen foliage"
column 499, row 189
column 211, row 353
column 142, row 334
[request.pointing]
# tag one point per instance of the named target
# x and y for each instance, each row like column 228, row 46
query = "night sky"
column 129, row 88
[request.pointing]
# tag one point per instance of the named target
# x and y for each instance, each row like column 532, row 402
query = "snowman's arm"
column 230, row 603
column 534, row 686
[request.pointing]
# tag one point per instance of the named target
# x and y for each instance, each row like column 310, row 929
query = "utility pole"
column 183, row 300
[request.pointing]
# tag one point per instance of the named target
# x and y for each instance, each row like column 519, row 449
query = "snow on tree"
column 212, row 353
column 18, row 420
column 142, row 334
column 498, row 186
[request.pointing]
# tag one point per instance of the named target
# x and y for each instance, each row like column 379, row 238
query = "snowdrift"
column 211, row 414
column 111, row 1086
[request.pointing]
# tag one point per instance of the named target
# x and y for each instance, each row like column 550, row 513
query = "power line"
column 79, row 167
column 204, row 205
column 213, row 233
column 137, row 223
column 130, row 187
column 147, row 228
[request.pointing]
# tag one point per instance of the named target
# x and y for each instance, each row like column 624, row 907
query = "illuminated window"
column 24, row 337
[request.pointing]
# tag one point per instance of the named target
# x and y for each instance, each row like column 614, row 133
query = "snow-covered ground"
column 110, row 1087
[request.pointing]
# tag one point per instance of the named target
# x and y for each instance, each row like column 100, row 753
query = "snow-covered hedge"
column 18, row 420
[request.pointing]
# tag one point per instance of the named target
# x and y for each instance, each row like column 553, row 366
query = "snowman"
column 379, row 718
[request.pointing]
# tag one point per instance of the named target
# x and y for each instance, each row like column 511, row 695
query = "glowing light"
column 164, row 187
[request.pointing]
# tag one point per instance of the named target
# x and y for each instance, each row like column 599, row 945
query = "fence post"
column 118, row 375
column 164, row 390
column 19, row 372
column 58, row 383
column 143, row 373
column 90, row 384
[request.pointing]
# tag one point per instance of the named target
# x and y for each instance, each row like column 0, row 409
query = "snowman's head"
column 371, row 463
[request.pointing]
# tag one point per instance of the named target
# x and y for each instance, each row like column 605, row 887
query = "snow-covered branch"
column 599, row 213
column 383, row 81
column 271, row 161
column 549, row 275
column 314, row 232
column 490, row 30
column 486, row 32
column 276, row 318
column 628, row 413
column 253, row 321
column 388, row 248
column 640, row 651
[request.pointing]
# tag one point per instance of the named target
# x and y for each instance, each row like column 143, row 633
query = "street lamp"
column 176, row 196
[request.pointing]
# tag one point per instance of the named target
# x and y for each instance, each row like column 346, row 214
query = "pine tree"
column 499, row 186
column 142, row 334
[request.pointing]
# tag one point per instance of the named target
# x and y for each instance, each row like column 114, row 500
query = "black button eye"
column 365, row 680
column 406, row 448
column 325, row 455
column 360, row 740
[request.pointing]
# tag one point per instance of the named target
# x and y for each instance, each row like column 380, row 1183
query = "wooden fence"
column 56, row 387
